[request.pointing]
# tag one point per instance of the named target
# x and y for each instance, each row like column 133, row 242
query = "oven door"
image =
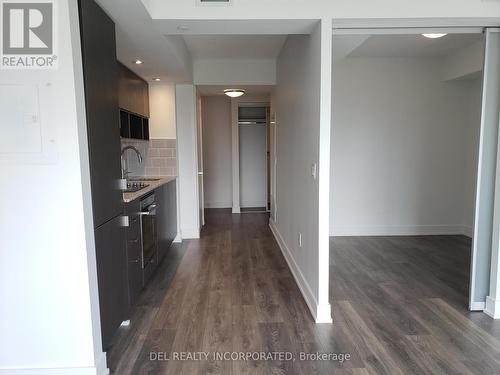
column 149, row 237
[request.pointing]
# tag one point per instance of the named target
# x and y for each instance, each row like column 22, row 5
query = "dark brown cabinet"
column 100, row 71
column 112, row 277
column 133, row 92
column 167, row 217
column 134, row 252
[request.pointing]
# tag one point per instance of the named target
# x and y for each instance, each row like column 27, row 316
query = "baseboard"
column 492, row 307
column 403, row 230
column 253, row 204
column 477, row 306
column 218, row 204
column 178, row 238
column 99, row 369
column 320, row 313
column 236, row 209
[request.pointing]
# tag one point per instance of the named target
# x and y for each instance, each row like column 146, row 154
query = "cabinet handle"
column 135, row 261
column 134, row 241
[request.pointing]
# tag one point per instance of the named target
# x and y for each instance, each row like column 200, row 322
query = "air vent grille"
column 214, row 2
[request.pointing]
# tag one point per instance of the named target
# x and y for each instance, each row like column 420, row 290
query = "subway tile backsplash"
column 159, row 157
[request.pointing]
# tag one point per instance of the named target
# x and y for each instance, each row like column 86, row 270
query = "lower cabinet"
column 134, row 252
column 167, row 217
column 112, row 277
column 166, row 231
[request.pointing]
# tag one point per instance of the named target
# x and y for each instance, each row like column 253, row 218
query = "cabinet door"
column 134, row 253
column 162, row 220
column 172, row 211
column 101, row 100
column 111, row 273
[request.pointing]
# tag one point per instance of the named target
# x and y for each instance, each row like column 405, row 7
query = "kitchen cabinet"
column 167, row 217
column 133, row 92
column 134, row 252
column 112, row 277
column 101, row 101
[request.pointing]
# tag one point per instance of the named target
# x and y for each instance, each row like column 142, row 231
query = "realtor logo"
column 28, row 33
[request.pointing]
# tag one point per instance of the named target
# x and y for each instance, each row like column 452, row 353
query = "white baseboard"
column 492, row 307
column 403, row 230
column 253, row 204
column 477, row 306
column 320, row 313
column 99, row 369
column 236, row 209
column 218, row 204
column 178, row 238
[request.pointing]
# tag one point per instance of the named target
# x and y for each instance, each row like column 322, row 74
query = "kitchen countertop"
column 129, row 197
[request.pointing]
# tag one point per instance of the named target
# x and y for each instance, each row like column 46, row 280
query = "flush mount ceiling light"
column 138, row 62
column 435, row 35
column 156, row 79
column 234, row 93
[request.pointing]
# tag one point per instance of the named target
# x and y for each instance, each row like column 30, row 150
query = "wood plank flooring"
column 399, row 307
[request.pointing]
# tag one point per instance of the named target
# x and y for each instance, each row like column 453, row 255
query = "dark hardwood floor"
column 399, row 308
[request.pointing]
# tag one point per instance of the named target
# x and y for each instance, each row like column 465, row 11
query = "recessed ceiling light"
column 234, row 93
column 138, row 62
column 435, row 35
column 156, row 79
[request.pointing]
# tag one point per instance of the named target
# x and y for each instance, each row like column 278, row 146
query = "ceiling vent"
column 214, row 2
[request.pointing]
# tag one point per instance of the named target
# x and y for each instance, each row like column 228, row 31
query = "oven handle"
column 150, row 212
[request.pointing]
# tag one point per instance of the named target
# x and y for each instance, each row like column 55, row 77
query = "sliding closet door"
column 485, row 237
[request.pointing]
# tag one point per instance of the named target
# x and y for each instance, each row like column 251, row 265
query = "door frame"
column 419, row 26
column 251, row 101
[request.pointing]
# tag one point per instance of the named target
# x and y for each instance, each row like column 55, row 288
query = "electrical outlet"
column 314, row 171
column 299, row 239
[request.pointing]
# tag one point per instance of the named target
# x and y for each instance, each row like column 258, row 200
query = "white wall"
column 48, row 281
column 403, row 146
column 162, row 110
column 187, row 161
column 298, row 102
column 217, row 173
column 234, row 72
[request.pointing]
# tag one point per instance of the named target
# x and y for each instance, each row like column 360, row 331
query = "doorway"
column 253, row 130
column 405, row 147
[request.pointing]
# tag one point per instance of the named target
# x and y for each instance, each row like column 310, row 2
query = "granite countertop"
column 129, row 197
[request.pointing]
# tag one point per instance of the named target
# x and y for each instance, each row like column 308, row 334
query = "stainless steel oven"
column 148, row 235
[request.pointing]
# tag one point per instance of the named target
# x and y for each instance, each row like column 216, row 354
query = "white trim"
column 99, row 369
column 226, row 204
column 356, row 23
column 406, row 30
column 401, row 230
column 492, row 307
column 477, row 306
column 320, row 313
column 190, row 234
column 178, row 238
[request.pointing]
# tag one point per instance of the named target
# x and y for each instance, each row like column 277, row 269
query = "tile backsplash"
column 159, row 157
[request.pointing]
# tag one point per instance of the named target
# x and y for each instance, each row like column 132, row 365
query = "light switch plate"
column 314, row 171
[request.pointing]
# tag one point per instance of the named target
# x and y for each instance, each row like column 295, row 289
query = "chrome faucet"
column 125, row 171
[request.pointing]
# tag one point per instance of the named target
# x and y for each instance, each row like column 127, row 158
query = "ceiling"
column 213, row 90
column 234, row 46
column 414, row 45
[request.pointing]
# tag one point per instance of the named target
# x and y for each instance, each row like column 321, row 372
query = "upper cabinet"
column 133, row 92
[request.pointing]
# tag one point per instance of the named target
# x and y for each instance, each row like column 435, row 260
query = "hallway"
column 233, row 292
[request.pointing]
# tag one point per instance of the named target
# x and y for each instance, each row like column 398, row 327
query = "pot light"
column 156, row 79
column 435, row 35
column 138, row 62
column 234, row 93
